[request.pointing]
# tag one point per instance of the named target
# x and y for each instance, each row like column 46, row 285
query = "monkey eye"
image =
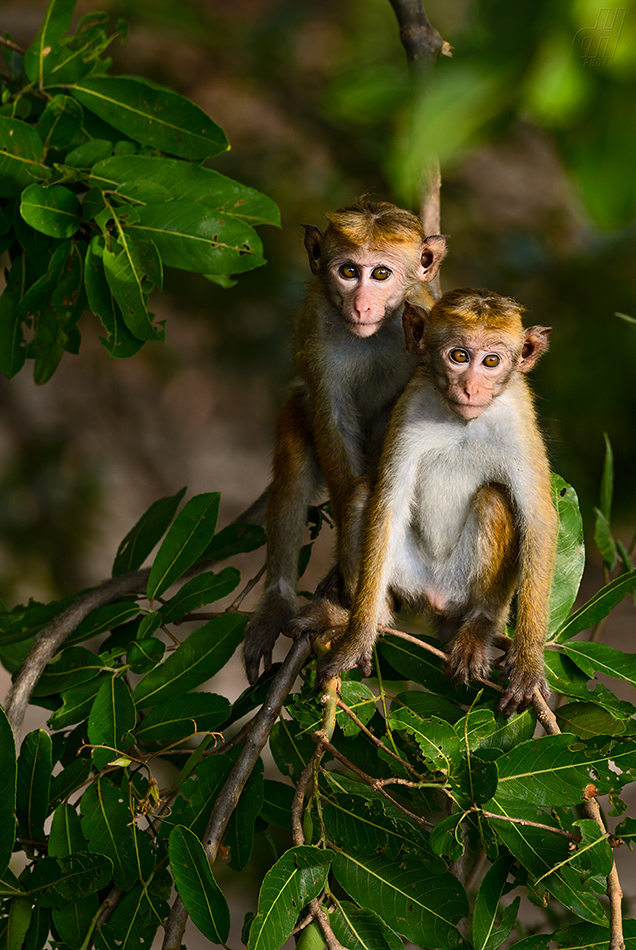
column 380, row 273
column 348, row 271
column 492, row 360
column 459, row 356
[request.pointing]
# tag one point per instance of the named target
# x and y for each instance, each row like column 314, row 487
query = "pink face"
column 471, row 371
column 368, row 286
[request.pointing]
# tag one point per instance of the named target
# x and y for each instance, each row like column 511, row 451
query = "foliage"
column 102, row 184
column 431, row 772
column 406, row 784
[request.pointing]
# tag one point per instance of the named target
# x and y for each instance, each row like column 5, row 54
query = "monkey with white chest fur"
column 461, row 517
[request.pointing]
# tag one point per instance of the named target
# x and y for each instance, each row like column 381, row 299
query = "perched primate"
column 351, row 366
column 461, row 517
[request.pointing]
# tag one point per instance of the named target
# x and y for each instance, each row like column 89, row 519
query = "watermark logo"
column 596, row 45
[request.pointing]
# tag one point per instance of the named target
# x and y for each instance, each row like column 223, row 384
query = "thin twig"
column 374, row 783
column 251, row 584
column 378, row 742
column 11, row 45
column 531, row 824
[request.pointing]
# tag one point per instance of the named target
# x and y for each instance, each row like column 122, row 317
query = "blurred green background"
column 534, row 121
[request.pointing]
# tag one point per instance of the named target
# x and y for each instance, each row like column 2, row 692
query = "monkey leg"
column 350, row 535
column 296, row 478
column 493, row 584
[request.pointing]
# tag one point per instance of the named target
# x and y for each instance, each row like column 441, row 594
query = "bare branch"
column 4, row 41
column 50, row 640
column 323, row 921
column 421, row 41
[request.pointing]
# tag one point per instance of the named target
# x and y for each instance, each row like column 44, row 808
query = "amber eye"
column 380, row 273
column 349, row 271
column 459, row 356
column 492, row 360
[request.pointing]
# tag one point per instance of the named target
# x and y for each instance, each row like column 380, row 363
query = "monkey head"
column 472, row 341
column 370, row 257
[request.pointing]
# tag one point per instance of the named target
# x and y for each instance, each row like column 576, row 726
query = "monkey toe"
column 520, row 692
column 468, row 660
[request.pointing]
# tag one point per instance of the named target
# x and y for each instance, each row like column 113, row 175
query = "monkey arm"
column 524, row 663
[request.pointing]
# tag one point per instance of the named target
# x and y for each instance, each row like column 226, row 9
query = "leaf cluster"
column 102, row 184
column 419, row 774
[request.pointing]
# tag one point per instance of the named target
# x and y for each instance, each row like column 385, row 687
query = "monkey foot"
column 317, row 617
column 468, row 659
column 520, row 690
column 337, row 662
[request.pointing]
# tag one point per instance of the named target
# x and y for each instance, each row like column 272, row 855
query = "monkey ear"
column 535, row 342
column 313, row 244
column 414, row 321
column 432, row 255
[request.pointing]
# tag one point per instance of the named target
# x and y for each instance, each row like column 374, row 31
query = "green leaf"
column 134, row 922
column 604, row 540
column 119, row 341
column 446, row 837
column 546, row 853
column 183, row 716
column 111, row 720
column 199, row 591
column 39, row 928
column 18, row 922
column 185, row 542
column 56, row 881
column 597, row 607
column 607, row 480
column 12, row 349
column 198, row 659
column 152, row 115
column 361, row 700
column 186, row 182
column 290, row 885
column 46, row 50
column 195, row 238
column 146, row 533
column 34, row 783
column 565, row 677
column 198, row 793
column 428, row 670
column 77, row 702
column 8, row 778
column 277, row 803
column 486, row 934
column 70, row 668
column 424, row 907
column 588, row 720
column 360, row 819
column 234, row 539
column 359, row 928
column 110, row 829
column 473, row 781
column 73, row 922
column 21, row 156
column 145, row 654
column 197, row 887
column 599, row 658
column 291, row 748
column 60, row 122
column 556, row 770
column 481, row 729
column 239, row 836
column 570, row 556
column 126, row 268
column 105, row 618
column 438, row 741
column 66, row 834
column 69, row 780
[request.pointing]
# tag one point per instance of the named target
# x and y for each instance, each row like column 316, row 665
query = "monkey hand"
column 353, row 648
column 526, row 675
column 272, row 617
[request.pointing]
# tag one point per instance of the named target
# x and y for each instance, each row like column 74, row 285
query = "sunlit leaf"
column 570, row 557
column 21, row 156
column 146, row 533
column 111, row 720
column 152, row 115
column 597, row 607
column 182, row 716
